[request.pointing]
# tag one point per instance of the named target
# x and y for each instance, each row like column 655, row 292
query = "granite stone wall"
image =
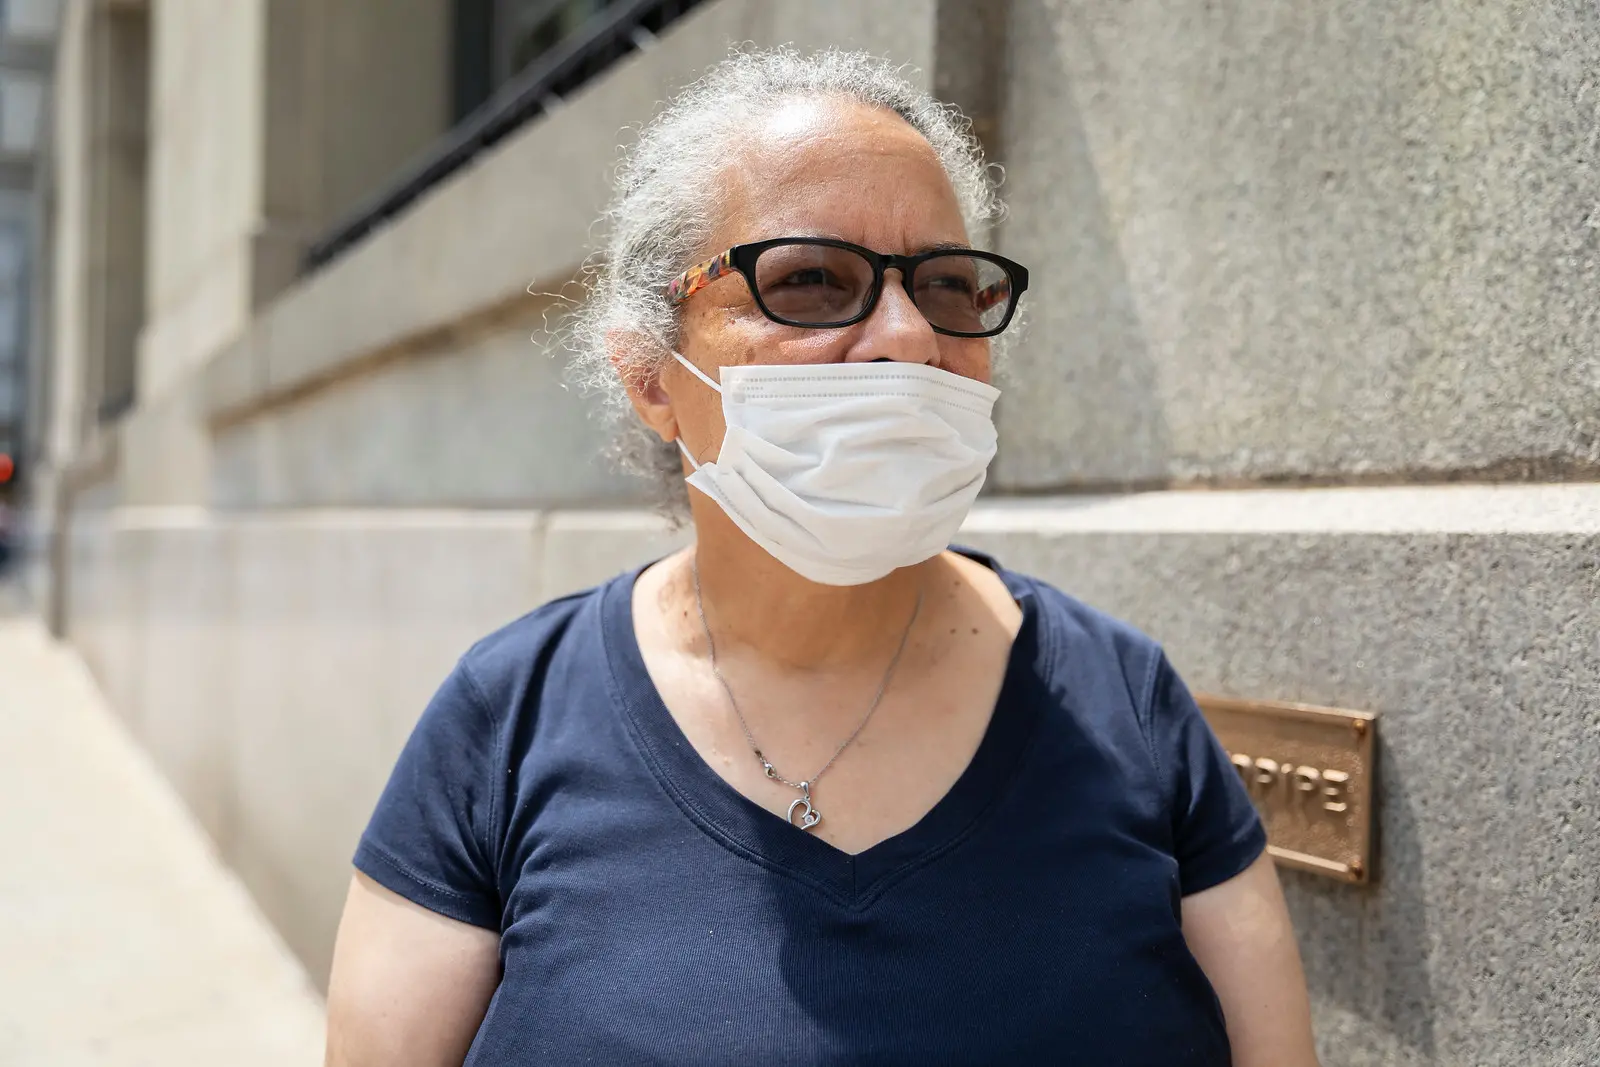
column 1299, row 240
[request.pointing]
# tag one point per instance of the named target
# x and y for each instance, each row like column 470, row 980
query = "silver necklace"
column 802, row 812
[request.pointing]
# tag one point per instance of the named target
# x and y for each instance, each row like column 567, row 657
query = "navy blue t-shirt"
column 649, row 913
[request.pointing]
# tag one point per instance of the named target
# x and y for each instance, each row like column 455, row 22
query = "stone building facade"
column 1311, row 392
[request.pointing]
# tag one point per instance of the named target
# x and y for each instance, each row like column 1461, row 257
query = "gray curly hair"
column 662, row 215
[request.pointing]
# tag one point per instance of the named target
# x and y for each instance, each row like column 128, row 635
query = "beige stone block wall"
column 207, row 132
column 483, row 420
column 374, row 92
column 269, row 119
column 274, row 665
column 68, row 311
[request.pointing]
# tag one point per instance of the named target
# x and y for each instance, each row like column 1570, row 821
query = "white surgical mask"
column 846, row 471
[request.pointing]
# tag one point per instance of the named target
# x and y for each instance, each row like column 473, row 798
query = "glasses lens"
column 813, row 284
column 963, row 294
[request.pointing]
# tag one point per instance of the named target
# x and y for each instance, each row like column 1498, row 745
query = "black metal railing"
column 615, row 32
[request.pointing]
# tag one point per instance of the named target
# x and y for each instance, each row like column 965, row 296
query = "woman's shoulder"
column 499, row 665
column 1079, row 637
column 1080, row 617
column 1108, row 675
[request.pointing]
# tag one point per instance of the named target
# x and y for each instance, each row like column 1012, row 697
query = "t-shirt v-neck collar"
column 756, row 834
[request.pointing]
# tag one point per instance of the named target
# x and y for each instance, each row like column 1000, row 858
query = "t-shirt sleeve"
column 429, row 838
column 1216, row 832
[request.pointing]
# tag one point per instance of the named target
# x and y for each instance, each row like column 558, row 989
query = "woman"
column 815, row 790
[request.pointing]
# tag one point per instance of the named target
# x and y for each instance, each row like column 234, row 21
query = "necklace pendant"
column 809, row 816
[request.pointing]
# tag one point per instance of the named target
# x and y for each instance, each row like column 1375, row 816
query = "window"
column 497, row 39
column 21, row 99
column 32, row 20
column 13, row 253
column 530, row 28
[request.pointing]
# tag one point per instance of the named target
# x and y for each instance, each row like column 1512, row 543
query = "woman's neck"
column 755, row 603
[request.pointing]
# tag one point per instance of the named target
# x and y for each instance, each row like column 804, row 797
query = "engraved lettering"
column 1327, row 787
column 1266, row 771
column 1307, row 781
column 1333, row 791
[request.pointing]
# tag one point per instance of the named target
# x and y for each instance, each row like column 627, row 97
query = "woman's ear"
column 635, row 357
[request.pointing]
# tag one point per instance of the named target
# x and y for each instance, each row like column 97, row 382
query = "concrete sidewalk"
column 123, row 939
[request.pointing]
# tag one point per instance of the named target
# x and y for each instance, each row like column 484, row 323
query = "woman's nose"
column 896, row 329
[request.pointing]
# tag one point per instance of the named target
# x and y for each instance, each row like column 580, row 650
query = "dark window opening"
column 495, row 40
column 471, row 76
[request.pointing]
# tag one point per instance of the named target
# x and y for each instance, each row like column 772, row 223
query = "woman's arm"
column 1239, row 932
column 409, row 987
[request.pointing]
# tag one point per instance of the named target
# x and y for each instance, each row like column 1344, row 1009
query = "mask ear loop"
column 682, row 448
column 698, row 373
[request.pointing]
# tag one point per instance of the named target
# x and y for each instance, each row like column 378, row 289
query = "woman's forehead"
column 799, row 114
column 840, row 168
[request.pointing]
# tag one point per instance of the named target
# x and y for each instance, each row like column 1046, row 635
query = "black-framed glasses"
column 820, row 283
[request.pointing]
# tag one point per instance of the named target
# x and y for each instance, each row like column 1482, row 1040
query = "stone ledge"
column 376, row 520
column 1475, row 509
